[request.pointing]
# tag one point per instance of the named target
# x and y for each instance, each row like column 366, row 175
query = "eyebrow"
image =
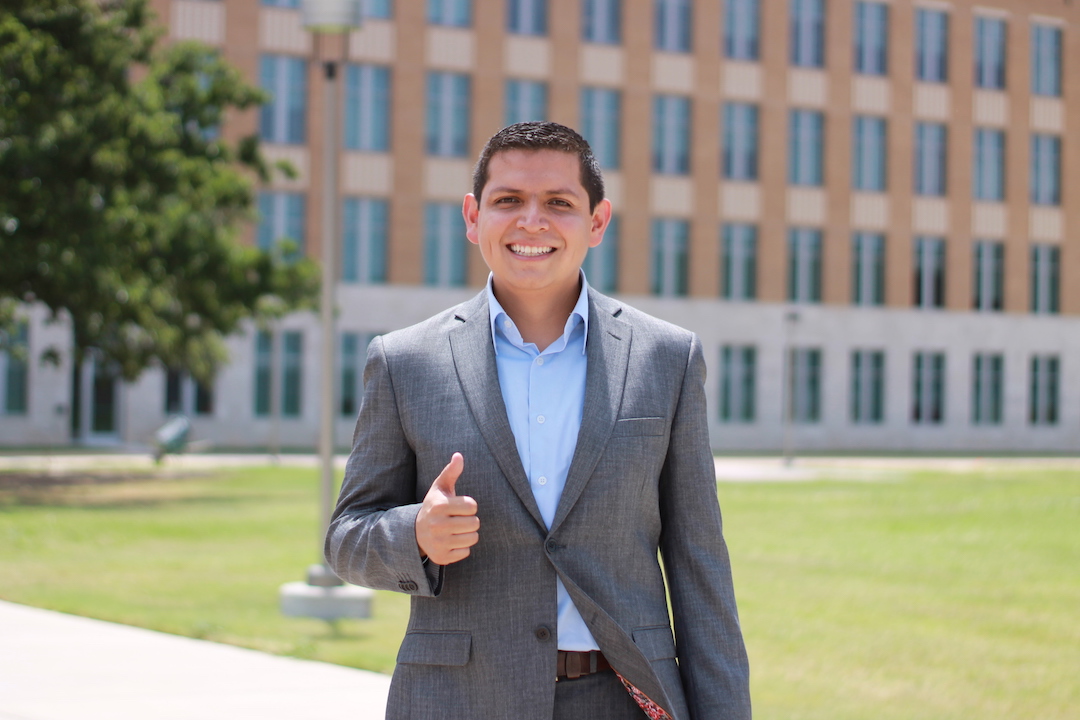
column 517, row 191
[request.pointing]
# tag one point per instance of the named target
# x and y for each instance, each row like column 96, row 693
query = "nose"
column 533, row 217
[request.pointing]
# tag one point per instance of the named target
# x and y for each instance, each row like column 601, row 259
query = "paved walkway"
column 61, row 667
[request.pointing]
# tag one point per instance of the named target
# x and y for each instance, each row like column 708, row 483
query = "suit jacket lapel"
column 474, row 360
column 608, row 353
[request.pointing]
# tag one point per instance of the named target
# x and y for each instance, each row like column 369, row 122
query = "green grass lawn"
column 933, row 596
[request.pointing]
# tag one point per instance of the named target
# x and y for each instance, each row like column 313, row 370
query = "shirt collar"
column 581, row 309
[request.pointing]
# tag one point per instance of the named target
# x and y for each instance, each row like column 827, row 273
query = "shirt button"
column 539, row 361
column 542, row 480
column 540, row 419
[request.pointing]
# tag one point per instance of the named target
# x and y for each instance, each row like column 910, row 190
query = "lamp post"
column 791, row 318
column 324, row 595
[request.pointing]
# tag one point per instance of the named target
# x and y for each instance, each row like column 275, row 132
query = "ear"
column 601, row 217
column 470, row 210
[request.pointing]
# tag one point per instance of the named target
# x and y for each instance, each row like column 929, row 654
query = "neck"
column 541, row 317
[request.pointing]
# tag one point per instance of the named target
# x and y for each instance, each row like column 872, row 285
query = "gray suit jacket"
column 481, row 639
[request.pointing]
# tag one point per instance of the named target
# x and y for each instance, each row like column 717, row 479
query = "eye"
column 560, row 202
column 506, row 200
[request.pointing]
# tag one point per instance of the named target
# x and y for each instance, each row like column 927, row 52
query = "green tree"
column 119, row 203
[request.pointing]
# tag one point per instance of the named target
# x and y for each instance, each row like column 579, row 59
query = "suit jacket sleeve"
column 371, row 540
column 712, row 657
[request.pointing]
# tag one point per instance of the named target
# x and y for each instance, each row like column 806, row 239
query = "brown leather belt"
column 572, row 665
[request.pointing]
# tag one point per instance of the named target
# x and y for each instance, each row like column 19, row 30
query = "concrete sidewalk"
column 62, row 667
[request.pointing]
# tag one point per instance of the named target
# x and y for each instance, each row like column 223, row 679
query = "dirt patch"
column 84, row 487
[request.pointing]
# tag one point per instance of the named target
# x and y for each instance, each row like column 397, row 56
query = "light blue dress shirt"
column 544, row 394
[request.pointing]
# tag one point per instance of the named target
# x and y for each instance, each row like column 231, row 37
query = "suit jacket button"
column 542, row 633
column 408, row 586
column 551, row 546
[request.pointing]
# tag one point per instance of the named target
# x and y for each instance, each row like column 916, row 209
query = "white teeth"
column 529, row 250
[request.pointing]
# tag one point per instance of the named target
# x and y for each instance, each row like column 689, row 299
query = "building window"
column 989, row 180
column 872, row 38
column 600, row 117
column 867, row 387
column 739, row 270
column 381, row 9
column 804, row 265
column 670, row 262
column 742, row 30
column 1045, row 169
column 525, row 100
column 186, row 396
column 264, row 368
column 740, row 147
column 808, row 33
column 281, row 223
column 281, row 3
column 989, row 278
column 292, row 373
column 738, row 371
column 673, row 24
column 1045, row 381
column 929, row 272
column 601, row 21
column 367, row 107
column 448, row 114
column 804, row 402
column 869, row 154
column 987, row 389
column 1045, row 279
column 445, row 250
column 527, row 17
column 990, row 53
column 931, row 45
column 868, row 268
column 453, row 13
column 353, row 356
column 931, row 158
column 14, row 370
column 601, row 264
column 928, row 390
column 1046, row 60
column 363, row 246
column 284, row 118
column 806, row 148
column 671, row 134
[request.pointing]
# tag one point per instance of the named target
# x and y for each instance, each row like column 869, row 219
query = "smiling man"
column 519, row 463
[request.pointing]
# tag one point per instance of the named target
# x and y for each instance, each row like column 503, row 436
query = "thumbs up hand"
column 447, row 525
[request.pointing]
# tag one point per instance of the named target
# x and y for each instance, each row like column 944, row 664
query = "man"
column 518, row 462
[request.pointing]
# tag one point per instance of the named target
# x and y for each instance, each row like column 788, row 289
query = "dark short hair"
column 542, row 136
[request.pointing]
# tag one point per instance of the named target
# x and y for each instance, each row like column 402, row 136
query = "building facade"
column 867, row 210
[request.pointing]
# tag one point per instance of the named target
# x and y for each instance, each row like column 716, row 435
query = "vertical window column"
column 806, row 147
column 527, row 17
column 868, row 268
column 526, row 100
column 867, row 386
column 670, row 266
column 989, row 262
column 931, row 158
column 14, row 370
column 872, row 38
column 869, row 154
column 742, row 30
column 805, row 385
column 739, row 159
column 283, row 119
column 739, row 252
column 367, row 108
column 672, row 25
column 1045, row 279
column 445, row 250
column 671, row 134
column 282, row 218
column 600, row 121
column 807, row 44
column 738, row 371
column 601, row 264
column 601, row 21
column 987, row 388
column 448, row 97
column 1043, row 399
column 929, row 272
column 931, row 45
column 990, row 45
column 1045, row 169
column 804, row 265
column 1046, row 60
column 928, row 388
column 364, row 232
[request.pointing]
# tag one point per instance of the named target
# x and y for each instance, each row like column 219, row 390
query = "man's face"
column 533, row 223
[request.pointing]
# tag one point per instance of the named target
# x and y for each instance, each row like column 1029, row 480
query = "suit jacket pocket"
column 435, row 648
column 655, row 642
column 639, row 427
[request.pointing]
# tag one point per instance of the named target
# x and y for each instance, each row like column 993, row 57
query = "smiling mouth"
column 530, row 250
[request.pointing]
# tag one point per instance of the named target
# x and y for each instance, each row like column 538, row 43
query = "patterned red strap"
column 654, row 711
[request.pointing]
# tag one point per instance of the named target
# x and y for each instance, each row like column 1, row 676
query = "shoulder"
column 431, row 333
column 645, row 327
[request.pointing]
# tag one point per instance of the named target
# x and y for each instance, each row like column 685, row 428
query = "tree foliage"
column 119, row 203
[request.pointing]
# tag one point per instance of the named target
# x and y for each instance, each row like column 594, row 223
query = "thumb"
column 449, row 476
